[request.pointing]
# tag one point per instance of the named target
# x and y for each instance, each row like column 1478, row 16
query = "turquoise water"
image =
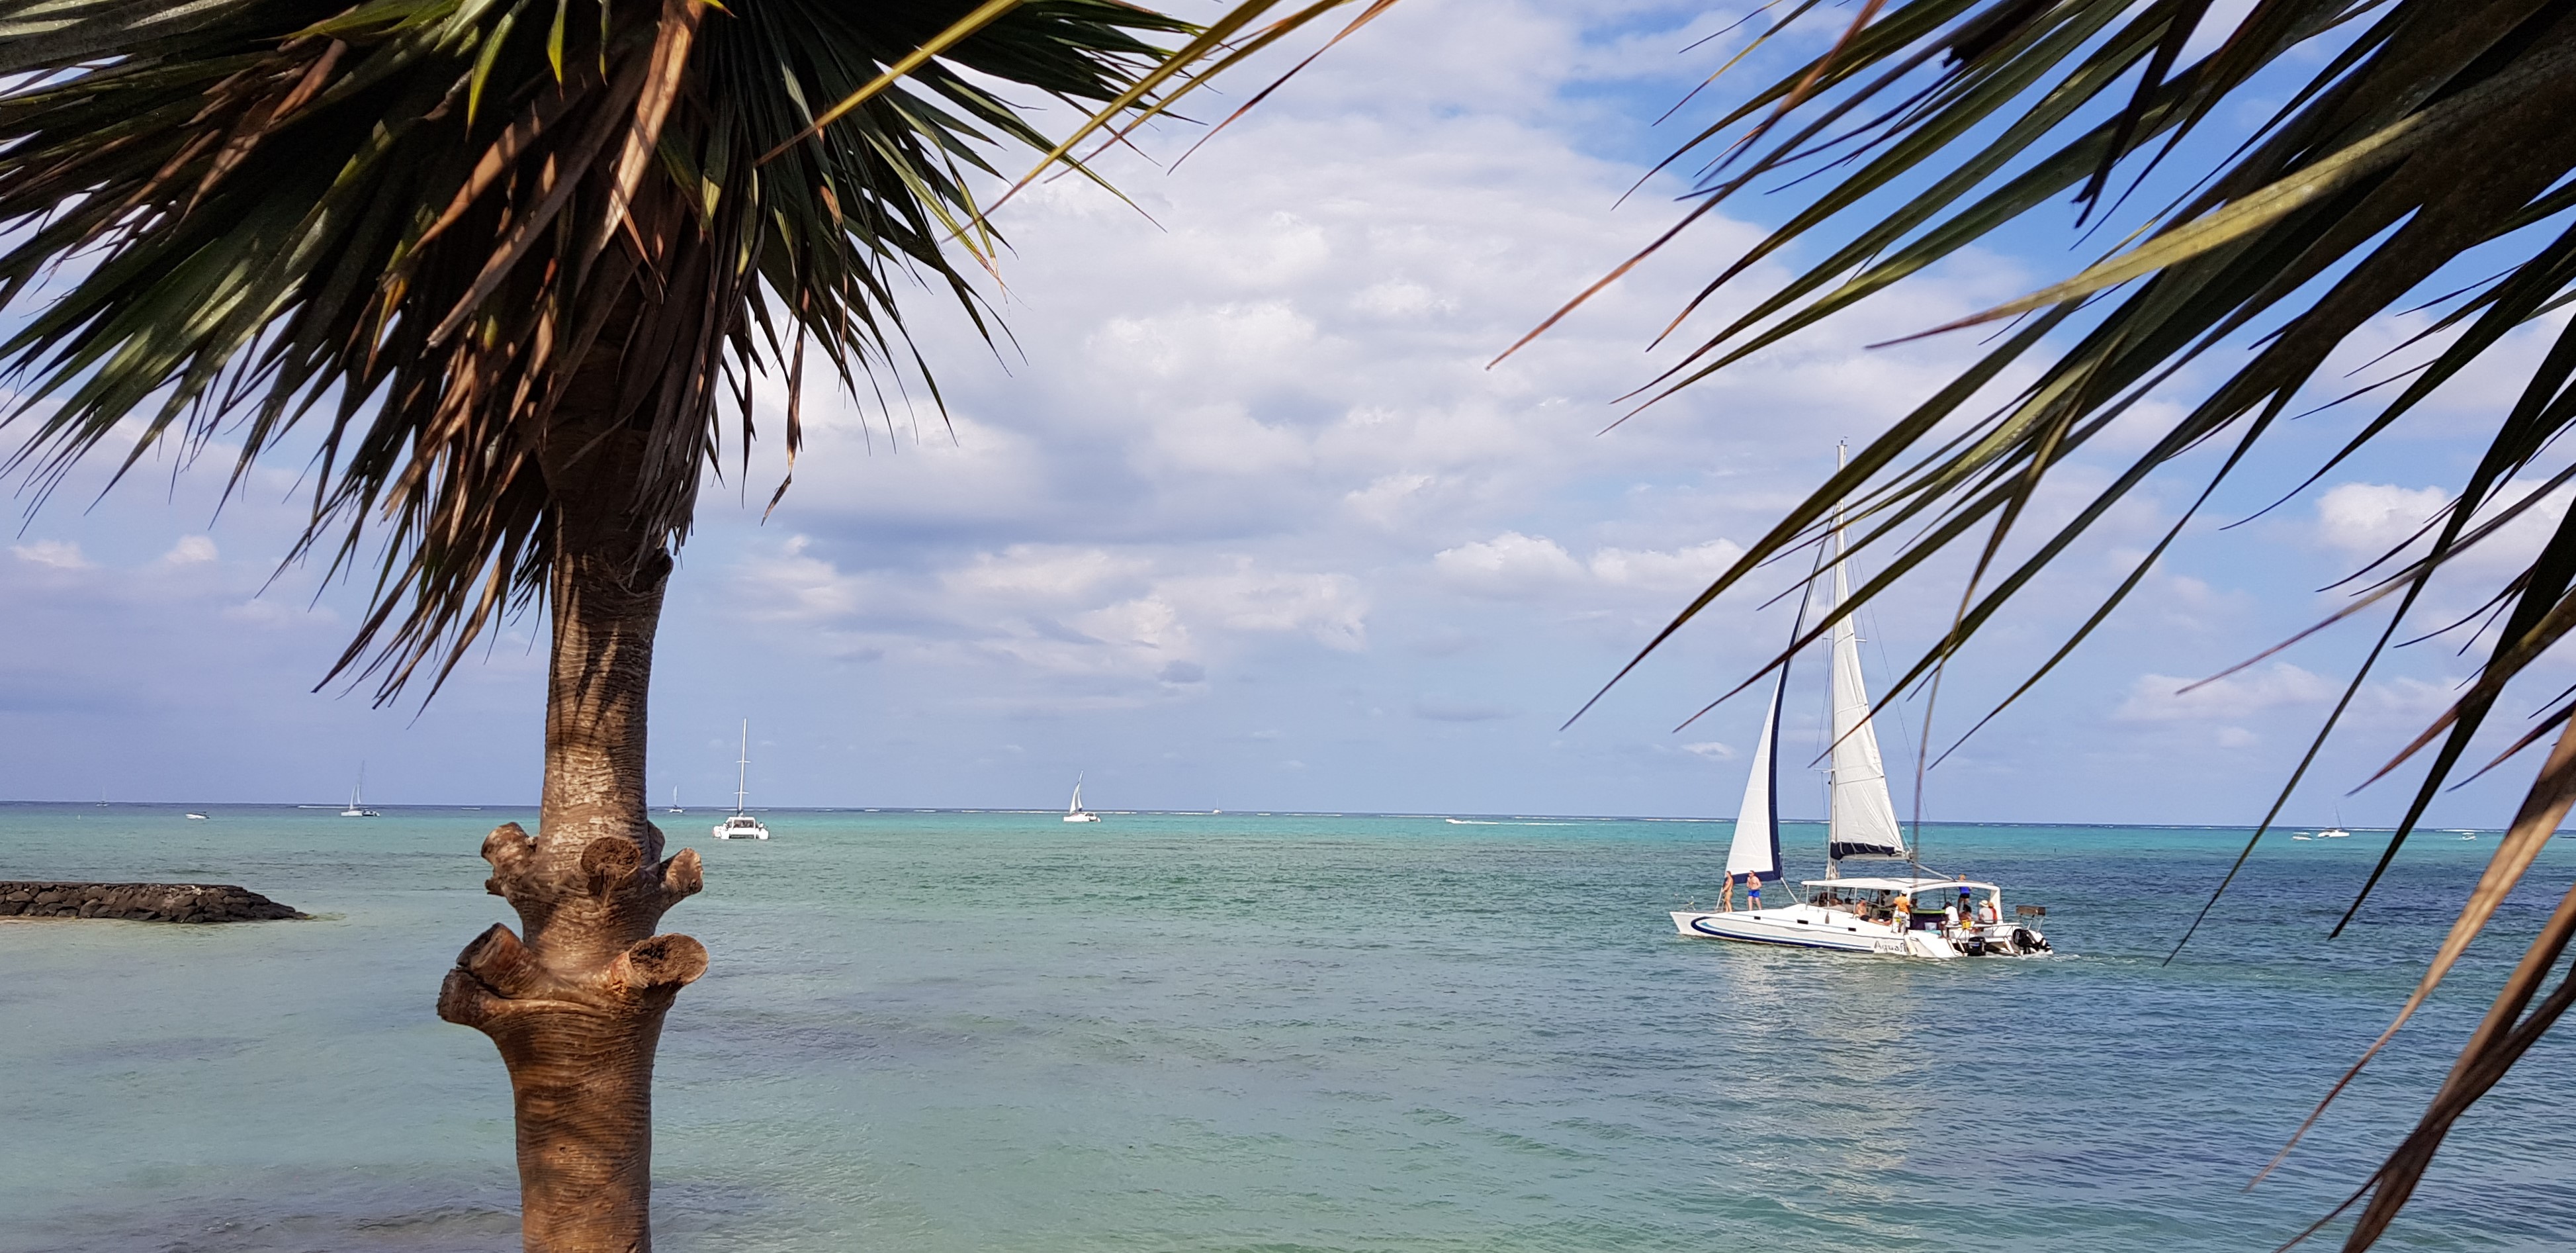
column 1236, row 1032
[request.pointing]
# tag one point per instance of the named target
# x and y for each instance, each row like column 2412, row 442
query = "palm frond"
column 420, row 220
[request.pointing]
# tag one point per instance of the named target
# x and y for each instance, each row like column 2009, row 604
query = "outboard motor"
column 2024, row 939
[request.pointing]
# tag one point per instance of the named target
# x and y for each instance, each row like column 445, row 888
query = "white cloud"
column 1509, row 565
column 2162, row 698
column 2368, row 519
column 1043, row 573
column 52, row 553
column 1527, row 567
column 1331, row 609
column 1711, row 749
column 1688, row 569
column 191, row 550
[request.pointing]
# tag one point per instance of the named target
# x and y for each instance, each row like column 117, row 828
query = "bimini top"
column 1907, row 886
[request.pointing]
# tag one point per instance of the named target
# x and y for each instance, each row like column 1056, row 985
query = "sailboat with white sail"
column 1907, row 911
column 1073, row 811
column 741, row 826
column 358, row 798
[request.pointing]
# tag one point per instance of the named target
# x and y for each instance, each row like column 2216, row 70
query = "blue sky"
column 1240, row 518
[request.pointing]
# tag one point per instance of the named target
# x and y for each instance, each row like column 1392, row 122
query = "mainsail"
column 1864, row 816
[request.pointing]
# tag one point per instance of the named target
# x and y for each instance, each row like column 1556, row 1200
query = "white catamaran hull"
column 1805, row 926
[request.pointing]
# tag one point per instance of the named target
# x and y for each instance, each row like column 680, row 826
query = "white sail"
column 1864, row 816
column 1756, row 851
column 1076, row 806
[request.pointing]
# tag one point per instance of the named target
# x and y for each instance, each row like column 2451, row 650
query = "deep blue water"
column 1237, row 1032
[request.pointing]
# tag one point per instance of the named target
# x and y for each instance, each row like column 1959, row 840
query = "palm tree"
column 513, row 266
column 2402, row 136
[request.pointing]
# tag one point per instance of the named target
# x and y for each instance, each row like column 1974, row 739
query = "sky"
column 1241, row 515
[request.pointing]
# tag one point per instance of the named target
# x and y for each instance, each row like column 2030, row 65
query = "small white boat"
column 357, row 798
column 675, row 803
column 194, row 816
column 1909, row 911
column 740, row 826
column 1074, row 812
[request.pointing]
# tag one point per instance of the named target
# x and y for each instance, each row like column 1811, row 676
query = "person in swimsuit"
column 1753, row 893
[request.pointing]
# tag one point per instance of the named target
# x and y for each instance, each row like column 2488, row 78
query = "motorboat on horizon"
column 1908, row 911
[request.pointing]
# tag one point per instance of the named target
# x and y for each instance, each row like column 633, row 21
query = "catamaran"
column 1074, row 812
column 1908, row 911
column 741, row 826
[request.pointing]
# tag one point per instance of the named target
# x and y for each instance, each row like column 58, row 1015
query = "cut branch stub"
column 509, row 850
column 657, row 968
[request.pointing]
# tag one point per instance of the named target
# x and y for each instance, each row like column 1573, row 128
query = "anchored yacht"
column 741, row 825
column 1908, row 910
column 358, row 798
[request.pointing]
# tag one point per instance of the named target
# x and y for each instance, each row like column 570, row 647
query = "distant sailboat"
column 741, row 826
column 1074, row 812
column 675, row 801
column 358, row 798
column 2335, row 832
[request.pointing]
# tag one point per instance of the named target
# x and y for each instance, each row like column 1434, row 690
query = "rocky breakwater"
column 140, row 902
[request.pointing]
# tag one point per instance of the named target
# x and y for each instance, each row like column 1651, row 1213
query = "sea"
column 1273, row 1033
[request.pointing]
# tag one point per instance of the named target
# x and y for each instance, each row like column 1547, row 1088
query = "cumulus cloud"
column 191, row 550
column 52, row 554
column 2367, row 519
column 2162, row 698
column 1529, row 567
column 1151, row 620
column 1688, row 569
column 1509, row 565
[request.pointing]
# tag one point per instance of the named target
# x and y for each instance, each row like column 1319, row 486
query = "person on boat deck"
column 1753, row 893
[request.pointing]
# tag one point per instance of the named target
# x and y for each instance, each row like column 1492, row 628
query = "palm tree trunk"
column 576, row 1007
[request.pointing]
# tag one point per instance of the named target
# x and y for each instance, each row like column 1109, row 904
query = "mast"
column 1863, row 817
column 742, row 768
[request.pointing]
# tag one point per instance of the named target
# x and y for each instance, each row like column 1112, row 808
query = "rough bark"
column 575, row 999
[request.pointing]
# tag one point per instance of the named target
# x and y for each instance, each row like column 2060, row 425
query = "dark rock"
column 141, row 902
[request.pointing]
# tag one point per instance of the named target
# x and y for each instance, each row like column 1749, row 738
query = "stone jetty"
column 140, row 902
